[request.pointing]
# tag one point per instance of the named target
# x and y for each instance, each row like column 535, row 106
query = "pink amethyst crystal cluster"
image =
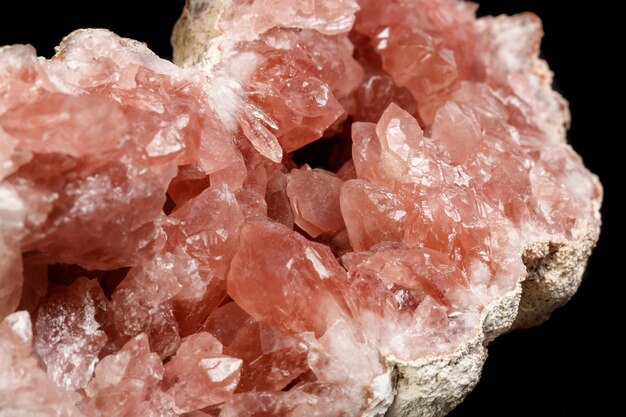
column 165, row 250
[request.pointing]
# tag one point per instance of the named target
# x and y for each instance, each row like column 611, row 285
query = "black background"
column 571, row 365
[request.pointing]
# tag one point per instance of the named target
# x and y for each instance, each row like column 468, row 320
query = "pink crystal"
column 179, row 251
column 299, row 78
column 314, row 197
column 25, row 388
column 293, row 265
column 124, row 383
column 327, row 16
column 199, row 375
column 271, row 360
column 67, row 333
column 374, row 214
column 140, row 127
column 426, row 46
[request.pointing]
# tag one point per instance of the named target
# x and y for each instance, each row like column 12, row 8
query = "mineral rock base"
column 326, row 208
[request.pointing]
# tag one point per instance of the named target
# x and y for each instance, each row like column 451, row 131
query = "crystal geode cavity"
column 168, row 246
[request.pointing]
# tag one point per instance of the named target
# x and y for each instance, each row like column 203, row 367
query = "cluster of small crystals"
column 166, row 256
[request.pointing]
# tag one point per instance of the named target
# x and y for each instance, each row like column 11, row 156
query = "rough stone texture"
column 179, row 255
column 555, row 270
column 432, row 386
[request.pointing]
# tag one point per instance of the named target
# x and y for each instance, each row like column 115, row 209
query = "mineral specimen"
column 181, row 250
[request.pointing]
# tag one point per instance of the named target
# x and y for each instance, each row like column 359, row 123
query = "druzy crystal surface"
column 168, row 247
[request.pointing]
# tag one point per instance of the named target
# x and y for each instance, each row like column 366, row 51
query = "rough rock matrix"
column 326, row 208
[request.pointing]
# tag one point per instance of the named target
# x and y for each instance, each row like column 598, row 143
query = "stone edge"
column 434, row 385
